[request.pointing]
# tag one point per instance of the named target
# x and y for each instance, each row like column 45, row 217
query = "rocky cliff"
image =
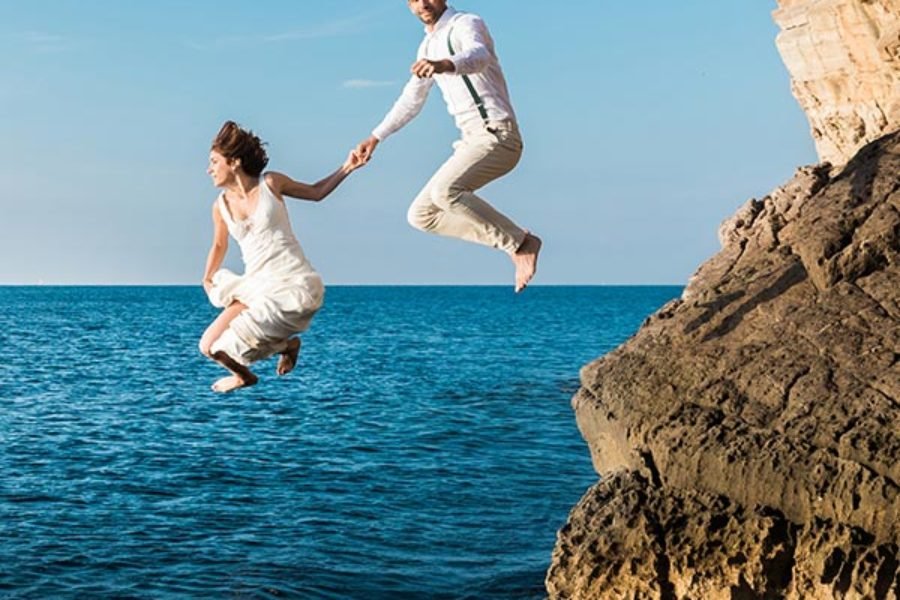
column 748, row 436
column 844, row 61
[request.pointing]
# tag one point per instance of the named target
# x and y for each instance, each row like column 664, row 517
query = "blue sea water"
column 425, row 446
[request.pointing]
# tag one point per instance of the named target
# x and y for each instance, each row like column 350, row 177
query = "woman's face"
column 219, row 169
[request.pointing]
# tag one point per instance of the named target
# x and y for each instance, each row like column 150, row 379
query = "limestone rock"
column 844, row 61
column 627, row 539
column 748, row 436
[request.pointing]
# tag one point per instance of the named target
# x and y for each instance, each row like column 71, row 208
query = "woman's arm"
column 218, row 249
column 285, row 186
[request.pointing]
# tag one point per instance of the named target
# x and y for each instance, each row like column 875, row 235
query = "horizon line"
column 333, row 285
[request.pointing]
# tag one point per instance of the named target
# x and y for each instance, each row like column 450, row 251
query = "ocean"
column 424, row 447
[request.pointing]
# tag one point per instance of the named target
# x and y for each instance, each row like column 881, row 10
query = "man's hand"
column 364, row 150
column 353, row 162
column 426, row 68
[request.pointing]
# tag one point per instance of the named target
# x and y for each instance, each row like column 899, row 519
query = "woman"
column 279, row 292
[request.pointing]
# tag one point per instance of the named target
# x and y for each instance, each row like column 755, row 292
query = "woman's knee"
column 205, row 346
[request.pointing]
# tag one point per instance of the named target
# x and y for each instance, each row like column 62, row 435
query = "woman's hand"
column 366, row 148
column 207, row 286
column 353, row 162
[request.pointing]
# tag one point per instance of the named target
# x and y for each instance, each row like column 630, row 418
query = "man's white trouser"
column 447, row 205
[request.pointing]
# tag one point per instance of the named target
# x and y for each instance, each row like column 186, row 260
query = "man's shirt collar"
column 442, row 22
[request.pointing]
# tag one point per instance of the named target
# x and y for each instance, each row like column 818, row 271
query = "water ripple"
column 425, row 445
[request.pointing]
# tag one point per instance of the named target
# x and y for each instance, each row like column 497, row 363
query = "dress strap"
column 264, row 187
column 223, row 209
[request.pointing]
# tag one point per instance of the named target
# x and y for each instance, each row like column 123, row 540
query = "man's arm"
column 423, row 67
column 472, row 45
column 405, row 109
column 471, row 50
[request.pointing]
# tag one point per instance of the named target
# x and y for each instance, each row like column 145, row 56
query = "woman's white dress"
column 279, row 286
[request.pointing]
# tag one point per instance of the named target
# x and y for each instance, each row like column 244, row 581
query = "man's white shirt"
column 474, row 56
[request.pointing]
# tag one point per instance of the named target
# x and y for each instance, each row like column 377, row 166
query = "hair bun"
column 233, row 141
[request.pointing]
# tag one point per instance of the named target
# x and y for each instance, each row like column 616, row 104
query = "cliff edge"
column 844, row 60
column 747, row 437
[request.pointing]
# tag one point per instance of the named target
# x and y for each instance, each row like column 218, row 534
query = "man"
column 458, row 54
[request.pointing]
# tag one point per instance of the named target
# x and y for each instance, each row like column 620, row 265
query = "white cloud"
column 339, row 27
column 41, row 41
column 365, row 83
column 40, row 37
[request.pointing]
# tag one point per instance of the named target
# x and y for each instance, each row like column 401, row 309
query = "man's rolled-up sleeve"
column 407, row 106
column 471, row 44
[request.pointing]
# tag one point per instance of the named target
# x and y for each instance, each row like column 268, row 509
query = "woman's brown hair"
column 233, row 142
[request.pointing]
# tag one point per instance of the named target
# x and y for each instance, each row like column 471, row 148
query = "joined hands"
column 354, row 161
column 363, row 151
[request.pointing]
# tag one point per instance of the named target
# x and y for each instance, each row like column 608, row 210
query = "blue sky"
column 645, row 125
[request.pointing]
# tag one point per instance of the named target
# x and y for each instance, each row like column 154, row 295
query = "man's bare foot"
column 233, row 382
column 525, row 259
column 288, row 359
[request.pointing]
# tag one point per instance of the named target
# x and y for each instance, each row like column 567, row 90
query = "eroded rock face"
column 748, row 436
column 629, row 539
column 844, row 61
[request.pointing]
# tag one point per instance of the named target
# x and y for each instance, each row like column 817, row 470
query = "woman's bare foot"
column 525, row 259
column 240, row 376
column 288, row 359
column 233, row 382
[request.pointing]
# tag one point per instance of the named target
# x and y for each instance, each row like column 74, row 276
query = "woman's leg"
column 241, row 376
column 217, row 327
column 288, row 359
